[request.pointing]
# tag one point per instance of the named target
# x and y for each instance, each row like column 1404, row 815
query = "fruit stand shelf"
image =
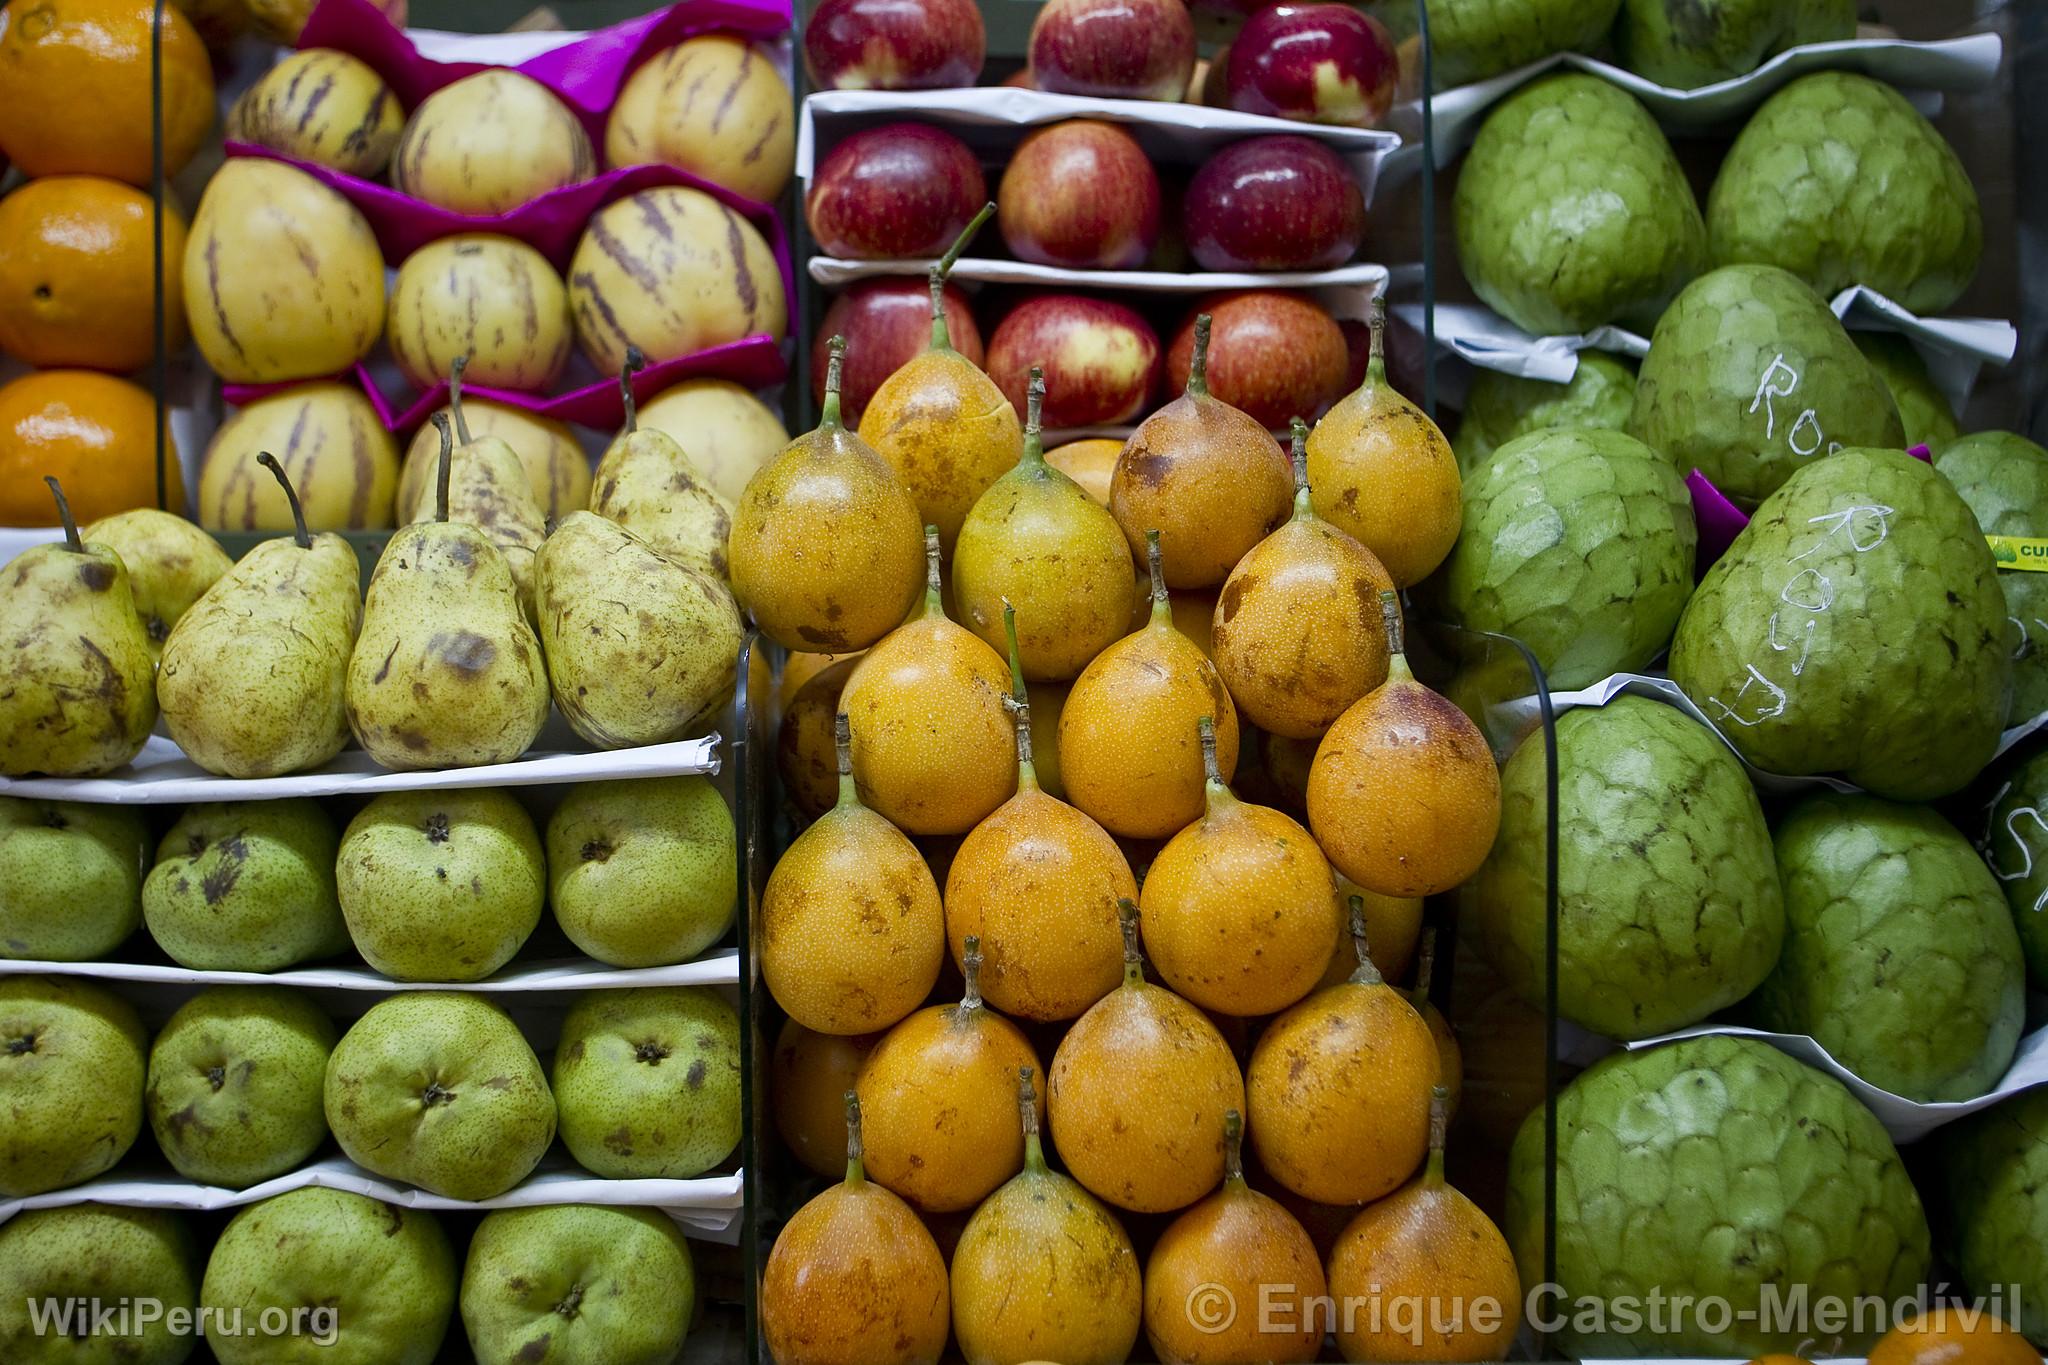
column 718, row 968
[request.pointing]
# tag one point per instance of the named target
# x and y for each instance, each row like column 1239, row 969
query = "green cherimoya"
column 1499, row 407
column 1580, row 545
column 1668, row 906
column 1841, row 181
column 1994, row 1214
column 2016, row 847
column 1855, row 626
column 1690, row 43
column 1749, row 376
column 1471, row 40
column 1714, row 1167
column 1571, row 210
column 1924, row 409
column 1900, row 957
column 2004, row 478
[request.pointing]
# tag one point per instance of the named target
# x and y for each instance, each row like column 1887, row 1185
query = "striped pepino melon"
column 331, row 442
column 489, row 143
column 321, row 106
column 557, row 465
column 491, row 298
column 713, row 106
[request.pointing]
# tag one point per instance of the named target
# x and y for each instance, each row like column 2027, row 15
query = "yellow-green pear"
column 171, row 563
column 446, row 673
column 488, row 488
column 76, row 693
column 252, row 677
column 647, row 484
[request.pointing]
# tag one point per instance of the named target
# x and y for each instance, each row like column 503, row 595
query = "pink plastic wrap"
column 1720, row 520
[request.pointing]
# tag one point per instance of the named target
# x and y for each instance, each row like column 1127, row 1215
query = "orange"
column 76, row 267
column 1954, row 1336
column 74, row 88
column 93, row 432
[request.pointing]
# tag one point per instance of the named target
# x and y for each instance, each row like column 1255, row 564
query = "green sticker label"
column 2020, row 553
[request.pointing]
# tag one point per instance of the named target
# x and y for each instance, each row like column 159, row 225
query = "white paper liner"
column 1362, row 276
column 719, row 968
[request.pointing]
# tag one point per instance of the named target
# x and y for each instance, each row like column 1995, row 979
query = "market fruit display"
column 642, row 872
column 246, row 887
column 1721, row 39
column 1704, row 1115
column 94, row 433
column 1991, row 1215
column 95, row 1252
column 628, row 1271
column 1100, row 358
column 887, row 319
column 77, row 274
column 713, row 106
column 1925, row 412
column 170, row 562
column 557, row 468
column 1579, row 543
column 2004, row 479
column 1320, row 63
column 1278, row 202
column 482, row 484
column 1080, row 194
column 1897, row 624
column 886, row 45
column 332, row 446
column 647, row 1081
column 2012, row 847
column 1838, row 179
column 729, row 433
column 1750, row 377
column 70, row 878
column 1919, row 989
column 325, row 107
column 1571, row 210
column 649, row 485
column 489, row 142
column 492, row 299
column 1125, row 49
column 71, row 1076
column 1668, row 902
column 1500, row 407
column 894, row 191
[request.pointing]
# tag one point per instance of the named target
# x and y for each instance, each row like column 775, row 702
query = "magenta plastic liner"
column 1720, row 520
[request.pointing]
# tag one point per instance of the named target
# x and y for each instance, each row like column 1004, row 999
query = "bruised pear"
column 1127, row 748
column 1206, row 475
column 1037, row 541
column 1296, row 632
column 647, row 484
column 557, row 469
column 170, row 562
column 940, row 421
column 932, row 744
column 488, row 488
column 825, row 551
column 1382, row 472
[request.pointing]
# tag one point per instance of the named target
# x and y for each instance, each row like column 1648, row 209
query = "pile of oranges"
column 77, row 245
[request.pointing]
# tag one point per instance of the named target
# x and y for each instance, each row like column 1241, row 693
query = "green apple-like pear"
column 171, row 563
column 643, row 872
column 88, row 1253
column 370, row 1283
column 440, row 1089
column 577, row 1284
column 441, row 885
column 648, row 1081
column 235, row 1077
column 71, row 1071
column 246, row 886
column 70, row 878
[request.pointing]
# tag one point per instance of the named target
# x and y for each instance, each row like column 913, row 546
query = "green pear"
column 647, row 484
column 70, row 1081
column 78, row 697
column 95, row 1252
column 252, row 675
column 639, row 646
column 648, row 1081
column 234, row 1090
column 359, row 1281
column 577, row 1284
column 171, row 563
column 246, row 886
column 70, row 878
column 644, row 872
column 441, row 885
column 488, row 488
column 446, row 673
column 442, row 1090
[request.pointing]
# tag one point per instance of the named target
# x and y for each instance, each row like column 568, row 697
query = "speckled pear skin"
column 70, row 878
column 648, row 1082
column 246, row 886
column 2004, row 479
column 440, row 1089
column 488, row 488
column 1868, row 575
column 1579, row 544
column 97, row 1252
column 171, row 563
column 1689, row 43
column 1571, row 210
column 1993, row 1217
column 1669, row 906
column 631, row 1266
column 1924, row 409
column 2015, row 844
column 1710, row 1167
column 1900, row 955
column 1499, row 407
column 1750, row 377
column 648, row 484
column 76, row 674
column 71, row 1071
column 1839, row 180
column 1475, row 39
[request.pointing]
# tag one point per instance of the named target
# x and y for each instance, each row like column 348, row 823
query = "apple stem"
column 291, row 495
column 1198, row 360
column 856, row 1169
column 1304, row 508
column 828, row 412
column 455, row 370
column 1019, row 705
column 1027, row 1112
column 970, row 970
column 1034, row 411
column 842, row 746
column 1134, row 956
column 1376, row 358
column 440, row 420
column 1162, row 609
column 1367, row 974
column 1233, row 1150
column 71, row 540
column 934, row 604
column 1439, row 1125
column 635, row 362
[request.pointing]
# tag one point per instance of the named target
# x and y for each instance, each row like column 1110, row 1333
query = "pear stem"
column 1019, row 703
column 1034, row 408
column 635, row 362
column 1134, row 956
column 1162, row 609
column 291, row 495
column 842, row 746
column 1367, row 974
column 1233, row 1150
column 1439, row 1124
column 1304, row 508
column 934, row 604
column 455, row 396
column 828, row 412
column 856, row 1169
column 1198, row 360
column 1376, row 356
column 970, row 968
column 1027, row 1113
column 71, row 540
column 441, row 474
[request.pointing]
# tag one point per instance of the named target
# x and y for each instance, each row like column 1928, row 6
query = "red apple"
column 1081, row 194
column 1279, row 202
column 1316, row 63
column 1278, row 356
column 886, row 320
column 896, row 191
column 894, row 44
column 1130, row 49
column 1101, row 359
